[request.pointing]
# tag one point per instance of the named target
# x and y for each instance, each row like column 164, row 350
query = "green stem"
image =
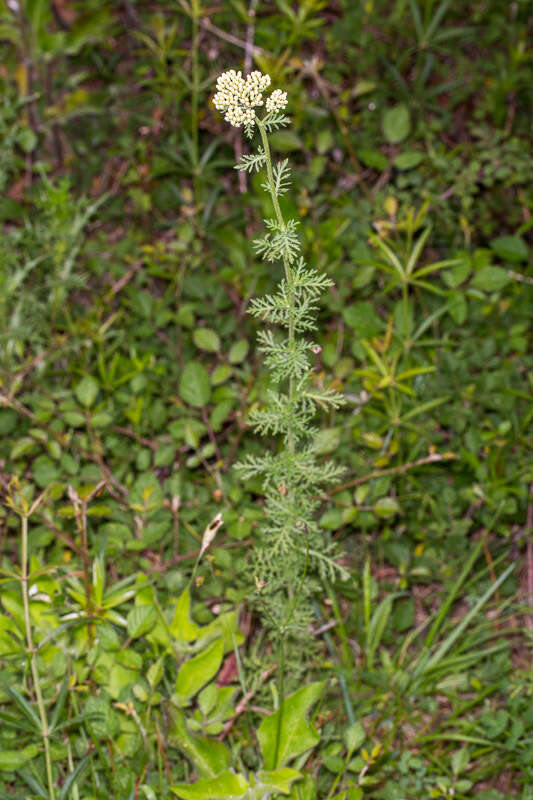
column 33, row 658
column 286, row 265
column 291, row 393
column 195, row 12
column 281, row 692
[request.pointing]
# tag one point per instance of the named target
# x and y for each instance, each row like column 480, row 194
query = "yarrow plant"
column 290, row 554
column 239, row 97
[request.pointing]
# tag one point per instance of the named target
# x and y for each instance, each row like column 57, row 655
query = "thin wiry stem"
column 33, row 658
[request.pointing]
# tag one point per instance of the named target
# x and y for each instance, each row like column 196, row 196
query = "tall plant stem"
column 33, row 658
column 291, row 394
column 195, row 15
column 286, row 265
column 281, row 692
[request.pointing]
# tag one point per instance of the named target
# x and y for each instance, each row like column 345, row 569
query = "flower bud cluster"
column 276, row 101
column 238, row 97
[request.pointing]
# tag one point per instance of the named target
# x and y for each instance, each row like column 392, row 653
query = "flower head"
column 238, row 97
column 276, row 101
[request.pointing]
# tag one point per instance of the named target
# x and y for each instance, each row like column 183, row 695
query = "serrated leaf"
column 141, row 619
column 296, row 734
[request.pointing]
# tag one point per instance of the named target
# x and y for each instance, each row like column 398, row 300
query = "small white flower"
column 276, row 101
column 238, row 97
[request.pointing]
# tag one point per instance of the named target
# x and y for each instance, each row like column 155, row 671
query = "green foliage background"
column 129, row 368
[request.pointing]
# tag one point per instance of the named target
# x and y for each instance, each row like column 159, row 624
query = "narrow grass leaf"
column 75, row 775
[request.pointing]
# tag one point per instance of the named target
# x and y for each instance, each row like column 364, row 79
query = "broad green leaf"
column 220, row 413
column 278, row 780
column 8, row 421
column 510, row 248
column 354, row 736
column 45, row 471
column 396, row 123
column 460, row 760
column 363, row 319
column 305, row 789
column 386, row 507
column 74, row 418
column 327, row 440
column 209, row 756
column 146, row 496
column 373, row 440
column 331, row 520
column 221, row 374
column 206, row 339
column 226, row 786
column 408, row 160
column 362, row 87
column 457, row 307
column 182, row 626
column 101, row 718
column 11, row 760
column 285, row 141
column 199, row 670
column 195, row 387
column 457, row 274
column 238, row 351
column 27, row 139
column 141, row 619
column 155, row 672
column 491, row 279
column 87, row 390
column 373, row 159
column 296, row 734
column 324, row 141
column 101, row 419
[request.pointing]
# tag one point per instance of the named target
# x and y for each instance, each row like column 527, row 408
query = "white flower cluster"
column 276, row 101
column 238, row 97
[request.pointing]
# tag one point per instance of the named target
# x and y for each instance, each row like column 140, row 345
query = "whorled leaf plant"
column 290, row 552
